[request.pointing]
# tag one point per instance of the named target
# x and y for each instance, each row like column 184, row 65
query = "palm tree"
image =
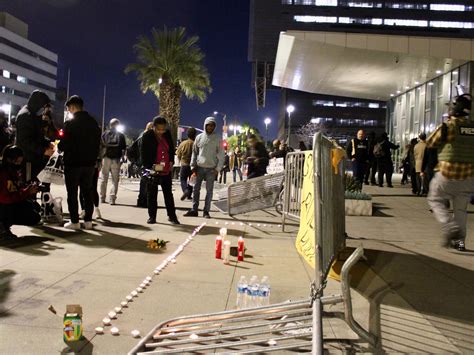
column 169, row 64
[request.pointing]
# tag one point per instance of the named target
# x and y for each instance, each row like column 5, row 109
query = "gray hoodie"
column 207, row 149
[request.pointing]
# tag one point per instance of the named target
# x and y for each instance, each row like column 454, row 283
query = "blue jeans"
column 209, row 175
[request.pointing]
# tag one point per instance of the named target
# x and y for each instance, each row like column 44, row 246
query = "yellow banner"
column 305, row 239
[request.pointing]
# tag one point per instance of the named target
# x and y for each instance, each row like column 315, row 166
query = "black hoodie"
column 81, row 141
column 29, row 128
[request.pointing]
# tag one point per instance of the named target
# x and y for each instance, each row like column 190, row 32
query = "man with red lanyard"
column 157, row 156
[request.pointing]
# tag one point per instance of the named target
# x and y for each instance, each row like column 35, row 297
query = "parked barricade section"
column 294, row 169
column 254, row 194
column 329, row 189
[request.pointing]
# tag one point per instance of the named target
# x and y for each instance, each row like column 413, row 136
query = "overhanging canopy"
column 362, row 65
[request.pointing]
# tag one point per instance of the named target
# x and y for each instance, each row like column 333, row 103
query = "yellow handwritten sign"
column 305, row 238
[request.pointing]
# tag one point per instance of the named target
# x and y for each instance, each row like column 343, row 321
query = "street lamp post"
column 224, row 128
column 267, row 122
column 289, row 109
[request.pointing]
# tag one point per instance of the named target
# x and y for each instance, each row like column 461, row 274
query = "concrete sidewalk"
column 415, row 296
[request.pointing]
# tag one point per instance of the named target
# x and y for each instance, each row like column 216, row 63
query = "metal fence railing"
column 291, row 194
column 254, row 194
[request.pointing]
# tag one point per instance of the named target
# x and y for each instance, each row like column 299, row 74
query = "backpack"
column 133, row 152
column 111, row 141
column 378, row 150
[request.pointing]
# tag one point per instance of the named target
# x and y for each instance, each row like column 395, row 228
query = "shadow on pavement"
column 5, row 281
column 98, row 238
column 83, row 347
column 108, row 223
column 441, row 292
column 30, row 244
column 378, row 210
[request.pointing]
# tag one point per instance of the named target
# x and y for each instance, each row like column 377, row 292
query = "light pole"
column 267, row 121
column 289, row 109
column 235, row 127
column 224, row 128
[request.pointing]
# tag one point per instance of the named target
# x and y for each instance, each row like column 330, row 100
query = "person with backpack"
column 114, row 146
column 383, row 154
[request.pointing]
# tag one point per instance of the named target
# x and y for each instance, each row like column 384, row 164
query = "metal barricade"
column 291, row 194
column 254, row 194
column 283, row 326
column 287, row 325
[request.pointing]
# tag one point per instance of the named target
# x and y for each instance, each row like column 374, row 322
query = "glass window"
column 6, row 74
column 447, row 7
column 317, row 19
column 374, row 105
column 451, row 24
column 21, row 79
column 406, row 22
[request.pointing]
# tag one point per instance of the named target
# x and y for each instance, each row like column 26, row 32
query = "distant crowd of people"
column 440, row 166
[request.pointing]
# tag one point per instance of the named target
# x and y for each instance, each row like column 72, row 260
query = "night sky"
column 94, row 38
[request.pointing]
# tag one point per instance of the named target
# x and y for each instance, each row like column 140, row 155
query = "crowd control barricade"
column 291, row 193
column 255, row 194
column 295, row 325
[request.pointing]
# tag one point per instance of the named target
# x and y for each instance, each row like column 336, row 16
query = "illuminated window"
column 374, row 105
column 394, row 5
column 22, row 79
column 447, row 7
column 6, row 74
column 363, row 21
column 326, row 2
column 405, row 22
column 323, row 103
column 451, row 24
column 317, row 19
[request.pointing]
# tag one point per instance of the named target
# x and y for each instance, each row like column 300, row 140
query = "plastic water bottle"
column 252, row 293
column 264, row 292
column 242, row 293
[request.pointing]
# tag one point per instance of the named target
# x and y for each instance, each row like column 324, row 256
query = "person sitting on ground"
column 16, row 205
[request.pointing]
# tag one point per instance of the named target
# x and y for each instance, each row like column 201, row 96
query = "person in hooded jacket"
column 257, row 157
column 16, row 205
column 30, row 135
column 206, row 162
column 157, row 156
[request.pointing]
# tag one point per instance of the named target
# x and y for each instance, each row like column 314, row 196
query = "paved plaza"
column 410, row 292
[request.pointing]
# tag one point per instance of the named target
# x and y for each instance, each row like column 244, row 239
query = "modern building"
column 24, row 66
column 405, row 55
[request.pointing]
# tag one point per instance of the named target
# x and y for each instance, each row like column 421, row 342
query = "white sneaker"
column 88, row 225
column 82, row 214
column 98, row 215
column 73, row 226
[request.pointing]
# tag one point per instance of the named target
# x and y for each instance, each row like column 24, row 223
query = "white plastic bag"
column 53, row 172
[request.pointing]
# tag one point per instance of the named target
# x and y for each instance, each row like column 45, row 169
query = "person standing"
column 412, row 165
column 358, row 151
column 30, row 136
column 157, row 156
column 257, row 158
column 80, row 144
column 184, row 154
column 225, row 169
column 419, row 154
column 383, row 153
column 134, row 155
column 372, row 165
column 235, row 164
column 455, row 179
column 206, row 162
column 114, row 144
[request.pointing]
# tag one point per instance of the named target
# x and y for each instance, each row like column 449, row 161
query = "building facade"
column 355, row 19
column 24, row 66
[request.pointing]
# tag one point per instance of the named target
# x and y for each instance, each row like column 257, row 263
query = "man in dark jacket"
column 30, row 136
column 184, row 153
column 80, row 144
column 157, row 156
column 257, row 158
column 384, row 160
column 358, row 152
